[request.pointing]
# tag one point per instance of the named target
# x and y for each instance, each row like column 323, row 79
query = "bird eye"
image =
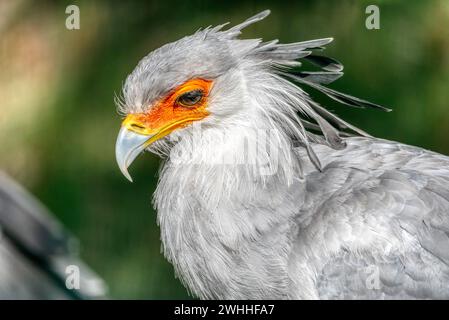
column 190, row 98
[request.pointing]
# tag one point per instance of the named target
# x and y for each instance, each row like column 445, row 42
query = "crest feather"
column 236, row 30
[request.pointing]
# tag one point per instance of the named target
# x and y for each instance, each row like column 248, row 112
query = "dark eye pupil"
column 190, row 98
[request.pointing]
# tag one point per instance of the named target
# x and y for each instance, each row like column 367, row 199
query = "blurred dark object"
column 37, row 255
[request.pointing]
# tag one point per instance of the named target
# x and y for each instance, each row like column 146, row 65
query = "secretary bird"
column 264, row 194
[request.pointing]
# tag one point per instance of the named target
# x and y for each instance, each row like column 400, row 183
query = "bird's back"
column 375, row 223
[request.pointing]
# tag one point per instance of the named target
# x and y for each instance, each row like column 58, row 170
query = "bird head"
column 222, row 82
column 195, row 79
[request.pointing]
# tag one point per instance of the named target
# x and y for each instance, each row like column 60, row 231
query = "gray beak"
column 128, row 146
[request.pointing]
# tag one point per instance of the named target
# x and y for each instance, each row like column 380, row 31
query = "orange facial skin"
column 168, row 115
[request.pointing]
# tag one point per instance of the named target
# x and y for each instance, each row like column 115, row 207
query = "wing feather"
column 381, row 233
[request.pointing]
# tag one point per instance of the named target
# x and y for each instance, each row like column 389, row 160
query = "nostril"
column 136, row 126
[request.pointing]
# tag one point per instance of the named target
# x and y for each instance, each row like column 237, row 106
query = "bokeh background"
column 58, row 122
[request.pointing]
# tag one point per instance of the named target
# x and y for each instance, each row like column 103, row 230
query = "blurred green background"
column 58, row 121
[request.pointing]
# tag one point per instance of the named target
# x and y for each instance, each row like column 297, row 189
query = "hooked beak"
column 128, row 146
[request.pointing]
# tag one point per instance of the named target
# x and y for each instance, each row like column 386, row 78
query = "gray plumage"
column 35, row 251
column 324, row 212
